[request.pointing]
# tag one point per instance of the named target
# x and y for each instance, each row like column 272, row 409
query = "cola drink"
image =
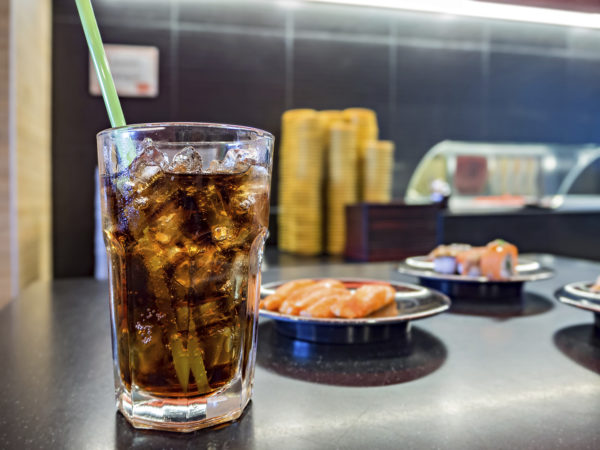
column 184, row 240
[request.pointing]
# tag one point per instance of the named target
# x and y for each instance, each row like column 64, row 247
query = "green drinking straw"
column 184, row 360
column 105, row 80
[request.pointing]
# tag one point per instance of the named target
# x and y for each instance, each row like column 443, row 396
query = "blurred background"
column 480, row 87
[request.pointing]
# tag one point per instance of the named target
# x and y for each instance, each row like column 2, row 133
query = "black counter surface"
column 514, row 378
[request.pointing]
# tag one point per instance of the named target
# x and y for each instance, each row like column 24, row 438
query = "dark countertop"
column 527, row 379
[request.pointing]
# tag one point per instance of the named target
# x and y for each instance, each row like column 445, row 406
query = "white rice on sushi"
column 445, row 264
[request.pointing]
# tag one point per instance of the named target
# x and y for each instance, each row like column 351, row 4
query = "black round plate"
column 414, row 302
column 578, row 294
column 460, row 286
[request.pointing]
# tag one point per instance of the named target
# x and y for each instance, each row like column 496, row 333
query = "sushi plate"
column 461, row 286
column 580, row 296
column 412, row 303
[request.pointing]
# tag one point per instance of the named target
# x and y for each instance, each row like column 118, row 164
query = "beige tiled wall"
column 25, row 160
column 32, row 81
column 5, row 259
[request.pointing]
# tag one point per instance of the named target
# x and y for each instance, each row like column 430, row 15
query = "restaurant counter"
column 523, row 378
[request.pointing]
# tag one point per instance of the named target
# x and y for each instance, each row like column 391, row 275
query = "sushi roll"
column 499, row 260
column 468, row 262
column 445, row 264
column 444, row 257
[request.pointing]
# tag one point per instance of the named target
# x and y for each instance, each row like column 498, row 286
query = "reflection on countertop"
column 529, row 304
column 236, row 434
column 581, row 344
column 405, row 357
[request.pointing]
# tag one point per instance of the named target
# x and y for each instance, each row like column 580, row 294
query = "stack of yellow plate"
column 378, row 170
column 328, row 160
column 341, row 182
column 327, row 118
column 300, row 181
column 365, row 121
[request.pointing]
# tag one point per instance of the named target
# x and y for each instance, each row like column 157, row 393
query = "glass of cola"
column 185, row 210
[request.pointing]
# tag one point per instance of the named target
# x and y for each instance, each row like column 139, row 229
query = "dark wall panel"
column 231, row 78
column 429, row 78
column 324, row 18
column 335, row 75
column 77, row 117
column 263, row 14
column 439, row 77
column 124, row 11
column 75, row 120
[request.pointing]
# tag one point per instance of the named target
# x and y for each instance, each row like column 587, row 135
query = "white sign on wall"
column 134, row 69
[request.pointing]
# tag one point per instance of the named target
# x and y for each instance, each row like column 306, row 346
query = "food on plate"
column 444, row 257
column 499, row 260
column 323, row 306
column 366, row 299
column 596, row 286
column 496, row 261
column 301, row 299
column 273, row 302
column 468, row 262
column 329, row 298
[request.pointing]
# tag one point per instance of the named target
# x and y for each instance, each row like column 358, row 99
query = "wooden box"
column 390, row 232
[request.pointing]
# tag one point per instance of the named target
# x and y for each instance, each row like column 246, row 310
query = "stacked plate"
column 300, row 181
column 341, row 182
column 327, row 118
column 365, row 121
column 328, row 160
column 377, row 171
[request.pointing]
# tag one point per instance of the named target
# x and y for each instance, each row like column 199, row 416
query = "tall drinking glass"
column 185, row 210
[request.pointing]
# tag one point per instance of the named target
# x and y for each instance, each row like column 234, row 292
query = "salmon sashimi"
column 499, row 261
column 293, row 307
column 330, row 282
column 448, row 250
column 296, row 293
column 365, row 300
column 322, row 307
column 273, row 302
column 390, row 310
column 299, row 298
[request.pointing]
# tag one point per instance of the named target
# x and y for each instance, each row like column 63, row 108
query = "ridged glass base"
column 182, row 415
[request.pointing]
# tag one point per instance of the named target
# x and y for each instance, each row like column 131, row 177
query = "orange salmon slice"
column 322, row 307
column 273, row 302
column 365, row 300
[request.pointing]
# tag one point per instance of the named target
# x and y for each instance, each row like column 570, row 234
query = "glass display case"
column 483, row 175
